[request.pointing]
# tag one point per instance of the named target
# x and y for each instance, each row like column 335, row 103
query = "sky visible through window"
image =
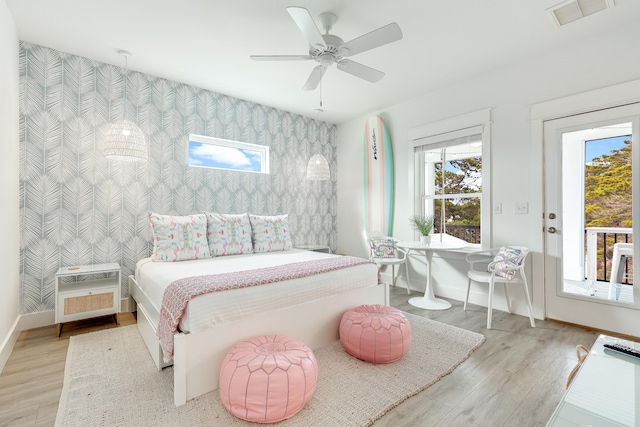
column 215, row 156
column 598, row 147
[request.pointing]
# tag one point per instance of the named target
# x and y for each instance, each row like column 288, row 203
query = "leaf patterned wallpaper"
column 76, row 207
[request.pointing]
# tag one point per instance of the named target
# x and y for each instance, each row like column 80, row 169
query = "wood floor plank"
column 31, row 382
column 516, row 378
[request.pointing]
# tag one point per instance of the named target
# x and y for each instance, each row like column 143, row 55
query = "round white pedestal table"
column 429, row 301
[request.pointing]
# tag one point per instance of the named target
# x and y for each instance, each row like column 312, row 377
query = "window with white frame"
column 449, row 179
column 217, row 153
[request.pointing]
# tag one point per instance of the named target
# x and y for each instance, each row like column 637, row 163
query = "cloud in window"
column 216, row 156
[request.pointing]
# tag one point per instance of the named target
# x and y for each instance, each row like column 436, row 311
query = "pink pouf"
column 375, row 333
column 267, row 379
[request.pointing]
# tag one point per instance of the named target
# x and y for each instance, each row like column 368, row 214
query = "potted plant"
column 423, row 224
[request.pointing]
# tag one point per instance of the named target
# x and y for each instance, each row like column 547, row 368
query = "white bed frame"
column 198, row 356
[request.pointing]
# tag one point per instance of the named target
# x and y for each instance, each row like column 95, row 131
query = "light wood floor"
column 516, row 378
column 31, row 381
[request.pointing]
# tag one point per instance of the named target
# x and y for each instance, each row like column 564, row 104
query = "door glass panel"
column 597, row 236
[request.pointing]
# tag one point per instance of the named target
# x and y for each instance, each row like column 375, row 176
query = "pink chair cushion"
column 375, row 333
column 268, row 378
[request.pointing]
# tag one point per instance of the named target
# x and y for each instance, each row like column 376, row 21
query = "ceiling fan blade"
column 381, row 36
column 359, row 70
column 280, row 57
column 303, row 20
column 314, row 78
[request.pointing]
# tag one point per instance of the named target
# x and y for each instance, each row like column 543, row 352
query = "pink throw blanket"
column 178, row 293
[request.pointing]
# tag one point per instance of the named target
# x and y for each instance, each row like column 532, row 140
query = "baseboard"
column 125, row 305
column 48, row 318
column 458, row 294
column 37, row 320
column 8, row 343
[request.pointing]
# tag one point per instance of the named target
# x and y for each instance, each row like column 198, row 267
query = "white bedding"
column 227, row 306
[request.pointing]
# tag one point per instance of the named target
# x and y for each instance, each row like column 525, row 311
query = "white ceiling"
column 207, row 43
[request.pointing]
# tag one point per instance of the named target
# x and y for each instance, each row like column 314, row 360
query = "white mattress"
column 227, row 306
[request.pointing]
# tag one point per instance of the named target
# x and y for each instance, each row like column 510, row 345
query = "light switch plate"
column 522, row 208
column 497, row 208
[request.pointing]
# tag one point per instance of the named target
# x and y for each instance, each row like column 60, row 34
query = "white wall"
column 9, row 197
column 516, row 174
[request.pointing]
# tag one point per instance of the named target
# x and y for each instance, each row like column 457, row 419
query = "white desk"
column 429, row 301
column 605, row 392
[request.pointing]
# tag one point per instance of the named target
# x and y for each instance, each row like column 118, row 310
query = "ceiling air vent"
column 572, row 10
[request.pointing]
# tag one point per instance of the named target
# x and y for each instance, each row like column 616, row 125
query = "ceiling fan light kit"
column 328, row 49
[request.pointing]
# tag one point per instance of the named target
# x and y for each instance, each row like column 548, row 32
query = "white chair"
column 506, row 261
column 621, row 252
column 383, row 251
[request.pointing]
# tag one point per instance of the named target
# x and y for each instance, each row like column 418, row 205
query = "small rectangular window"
column 217, row 153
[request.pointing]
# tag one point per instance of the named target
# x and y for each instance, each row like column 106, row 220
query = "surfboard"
column 378, row 177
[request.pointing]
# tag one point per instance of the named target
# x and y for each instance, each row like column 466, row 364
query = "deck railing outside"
column 468, row 233
column 605, row 238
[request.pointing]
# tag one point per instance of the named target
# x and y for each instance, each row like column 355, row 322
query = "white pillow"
column 229, row 234
column 270, row 233
column 179, row 238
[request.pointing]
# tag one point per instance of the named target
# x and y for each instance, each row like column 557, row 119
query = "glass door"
column 591, row 180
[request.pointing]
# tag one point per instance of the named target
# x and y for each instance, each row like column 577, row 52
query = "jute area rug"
column 110, row 380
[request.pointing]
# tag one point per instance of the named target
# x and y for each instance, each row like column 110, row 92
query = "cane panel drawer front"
column 81, row 299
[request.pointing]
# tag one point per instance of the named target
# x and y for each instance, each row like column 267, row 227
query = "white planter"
column 425, row 240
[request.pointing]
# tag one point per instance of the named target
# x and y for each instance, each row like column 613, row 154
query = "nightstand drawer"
column 87, row 303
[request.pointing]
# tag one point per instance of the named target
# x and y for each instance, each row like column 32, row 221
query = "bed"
column 308, row 309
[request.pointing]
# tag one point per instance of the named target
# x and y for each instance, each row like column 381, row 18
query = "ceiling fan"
column 328, row 49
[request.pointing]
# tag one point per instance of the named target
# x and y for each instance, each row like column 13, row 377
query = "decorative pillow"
column 270, row 233
column 229, row 234
column 505, row 253
column 179, row 238
column 382, row 247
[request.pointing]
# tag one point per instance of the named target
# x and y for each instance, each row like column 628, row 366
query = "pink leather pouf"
column 375, row 333
column 268, row 378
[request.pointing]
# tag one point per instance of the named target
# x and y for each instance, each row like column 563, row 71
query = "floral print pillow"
column 270, row 233
column 229, row 234
column 382, row 247
column 179, row 238
column 502, row 262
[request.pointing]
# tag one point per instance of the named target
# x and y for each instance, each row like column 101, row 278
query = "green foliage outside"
column 608, row 189
column 608, row 200
column 464, row 211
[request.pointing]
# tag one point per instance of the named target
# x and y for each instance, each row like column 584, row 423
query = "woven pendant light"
column 125, row 141
column 318, row 168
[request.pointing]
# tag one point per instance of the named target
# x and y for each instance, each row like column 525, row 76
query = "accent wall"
column 77, row 207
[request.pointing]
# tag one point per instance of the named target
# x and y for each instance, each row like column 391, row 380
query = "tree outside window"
column 457, row 186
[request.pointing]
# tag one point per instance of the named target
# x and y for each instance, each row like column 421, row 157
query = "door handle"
column 551, row 230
